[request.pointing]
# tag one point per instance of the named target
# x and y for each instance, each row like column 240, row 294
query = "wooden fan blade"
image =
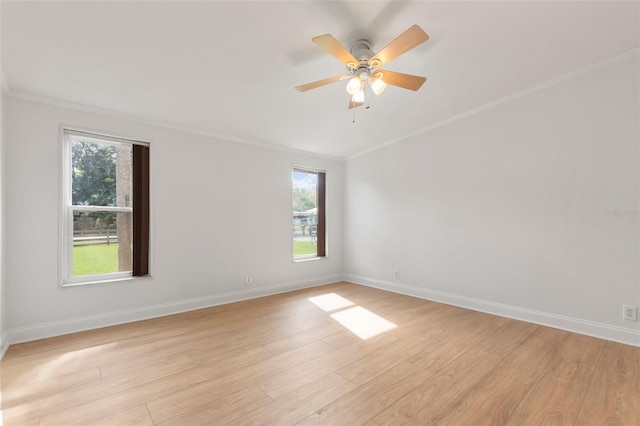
column 354, row 104
column 404, row 42
column 333, row 46
column 406, row 81
column 319, row 83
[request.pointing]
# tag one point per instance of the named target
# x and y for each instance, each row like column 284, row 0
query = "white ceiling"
column 229, row 68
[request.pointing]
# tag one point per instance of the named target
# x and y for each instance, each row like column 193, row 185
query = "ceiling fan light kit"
column 355, row 85
column 377, row 84
column 363, row 66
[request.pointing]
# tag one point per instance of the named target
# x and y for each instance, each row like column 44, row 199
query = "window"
column 105, row 217
column 309, row 230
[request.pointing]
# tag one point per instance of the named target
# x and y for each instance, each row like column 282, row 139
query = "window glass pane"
column 102, row 242
column 305, row 213
column 100, row 174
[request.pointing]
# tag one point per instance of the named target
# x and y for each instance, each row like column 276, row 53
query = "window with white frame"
column 105, row 217
column 309, row 222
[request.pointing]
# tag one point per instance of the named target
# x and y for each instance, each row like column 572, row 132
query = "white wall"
column 220, row 210
column 506, row 210
column 503, row 211
column 3, row 335
column 4, row 344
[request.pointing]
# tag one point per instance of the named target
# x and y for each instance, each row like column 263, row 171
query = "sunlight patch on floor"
column 363, row 323
column 330, row 302
column 358, row 320
column 51, row 368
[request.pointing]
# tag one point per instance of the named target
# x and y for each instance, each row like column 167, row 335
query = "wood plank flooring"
column 382, row 358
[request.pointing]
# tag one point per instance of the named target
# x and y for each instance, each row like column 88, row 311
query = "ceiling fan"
column 363, row 66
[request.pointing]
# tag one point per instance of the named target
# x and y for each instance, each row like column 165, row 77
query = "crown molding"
column 548, row 83
column 201, row 132
column 158, row 123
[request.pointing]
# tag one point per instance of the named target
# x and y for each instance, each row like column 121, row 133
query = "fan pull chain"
column 354, row 117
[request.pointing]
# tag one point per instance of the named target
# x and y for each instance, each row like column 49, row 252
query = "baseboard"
column 74, row 325
column 51, row 329
column 604, row 331
column 4, row 345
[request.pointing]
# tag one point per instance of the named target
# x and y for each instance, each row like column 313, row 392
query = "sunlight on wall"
column 358, row 320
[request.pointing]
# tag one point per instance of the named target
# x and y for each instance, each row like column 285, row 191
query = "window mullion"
column 80, row 208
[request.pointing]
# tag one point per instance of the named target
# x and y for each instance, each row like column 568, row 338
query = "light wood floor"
column 285, row 360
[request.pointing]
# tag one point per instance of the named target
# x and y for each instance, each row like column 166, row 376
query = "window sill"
column 307, row 259
column 104, row 281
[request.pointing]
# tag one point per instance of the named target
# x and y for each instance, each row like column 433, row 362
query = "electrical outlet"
column 249, row 279
column 397, row 274
column 630, row 313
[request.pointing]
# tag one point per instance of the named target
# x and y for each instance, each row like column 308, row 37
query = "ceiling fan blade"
column 333, row 46
column 404, row 42
column 406, row 81
column 354, row 104
column 319, row 83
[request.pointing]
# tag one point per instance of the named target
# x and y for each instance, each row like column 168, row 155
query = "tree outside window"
column 101, row 203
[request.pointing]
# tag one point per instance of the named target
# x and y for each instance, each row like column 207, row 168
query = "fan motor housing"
column 361, row 50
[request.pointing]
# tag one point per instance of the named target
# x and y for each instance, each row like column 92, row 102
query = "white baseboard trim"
column 74, row 325
column 604, row 331
column 4, row 344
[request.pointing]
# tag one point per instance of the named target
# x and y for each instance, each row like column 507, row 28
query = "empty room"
column 319, row 212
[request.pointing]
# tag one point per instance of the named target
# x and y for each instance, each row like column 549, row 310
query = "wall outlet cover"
column 630, row 313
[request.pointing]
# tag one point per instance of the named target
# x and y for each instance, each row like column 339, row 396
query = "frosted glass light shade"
column 358, row 96
column 378, row 86
column 354, row 85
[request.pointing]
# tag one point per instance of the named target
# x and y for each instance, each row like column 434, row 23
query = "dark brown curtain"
column 321, row 230
column 140, row 210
